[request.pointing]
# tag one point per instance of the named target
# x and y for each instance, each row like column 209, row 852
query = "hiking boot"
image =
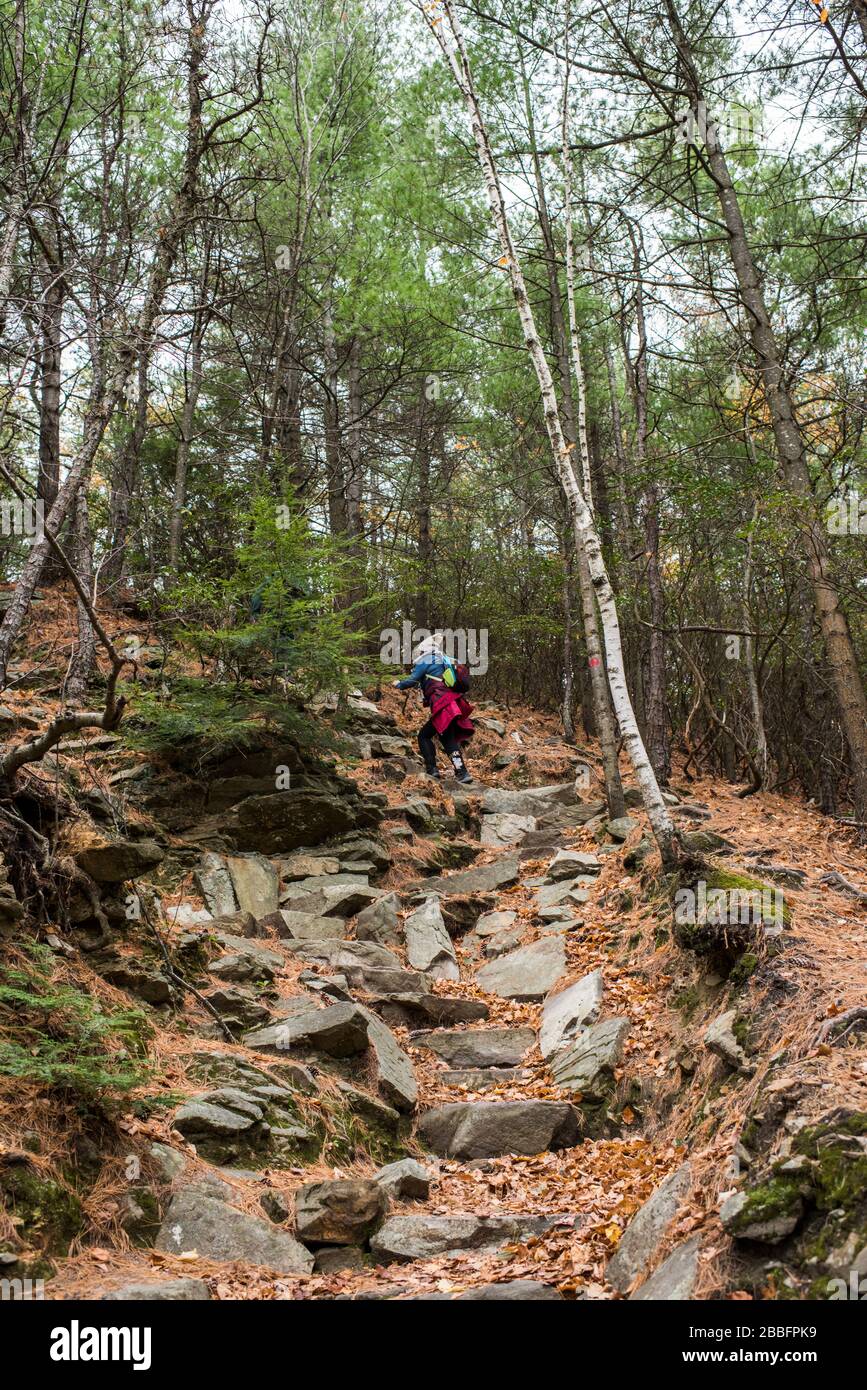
column 464, row 777
column 432, row 774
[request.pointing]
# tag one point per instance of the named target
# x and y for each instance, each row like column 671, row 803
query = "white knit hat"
column 428, row 646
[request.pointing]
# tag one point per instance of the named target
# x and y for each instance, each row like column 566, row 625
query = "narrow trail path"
column 528, row 1015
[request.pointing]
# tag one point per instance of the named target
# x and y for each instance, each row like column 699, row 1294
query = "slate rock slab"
column 198, row 1221
column 487, row 1129
column 484, row 878
column 674, row 1281
column 393, row 1069
column 570, row 890
column 529, row 801
column 300, row 926
column 566, row 1013
column 512, row 1291
column 621, row 827
column 478, row 1047
column 502, row 830
column 339, row 1031
column 404, row 1238
column 332, row 900
column 442, row 1010
column 255, row 882
column 641, row 1239
column 587, row 1065
column 214, row 882
column 117, row 860
column 567, row 863
column 492, row 922
column 428, row 945
column 342, row 955
column 203, row 1119
column 164, row 1291
column 528, row 973
column 380, row 922
column 745, row 1220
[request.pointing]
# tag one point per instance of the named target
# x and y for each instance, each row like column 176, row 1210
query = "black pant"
column 449, row 740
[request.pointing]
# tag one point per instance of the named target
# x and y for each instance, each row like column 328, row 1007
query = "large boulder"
column 197, row 1220
column 286, row 820
column 428, row 944
column 255, row 882
column 478, row 1047
column 339, row 1212
column 641, row 1240
column 526, row 974
column 338, row 1031
column 114, row 861
column 566, row 1013
column 487, row 1129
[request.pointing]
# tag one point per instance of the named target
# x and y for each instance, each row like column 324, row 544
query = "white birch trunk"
column 587, row 538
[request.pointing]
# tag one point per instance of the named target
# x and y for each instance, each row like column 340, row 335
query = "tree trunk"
column 85, row 656
column 586, row 537
column 575, row 431
column 182, row 460
column 840, row 653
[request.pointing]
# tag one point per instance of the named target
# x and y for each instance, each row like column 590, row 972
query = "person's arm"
column 414, row 676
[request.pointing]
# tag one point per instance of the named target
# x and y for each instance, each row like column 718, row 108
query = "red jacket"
column 446, row 706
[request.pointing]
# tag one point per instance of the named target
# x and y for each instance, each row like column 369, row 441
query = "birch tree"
column 446, row 28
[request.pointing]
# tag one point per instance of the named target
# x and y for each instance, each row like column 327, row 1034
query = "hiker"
column 442, row 685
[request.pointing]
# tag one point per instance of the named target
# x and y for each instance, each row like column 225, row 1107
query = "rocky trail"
column 457, row 1049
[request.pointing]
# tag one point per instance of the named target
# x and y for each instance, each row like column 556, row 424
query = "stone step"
column 489, row 1129
column 402, row 1239
column 478, row 1047
column 482, row 1078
